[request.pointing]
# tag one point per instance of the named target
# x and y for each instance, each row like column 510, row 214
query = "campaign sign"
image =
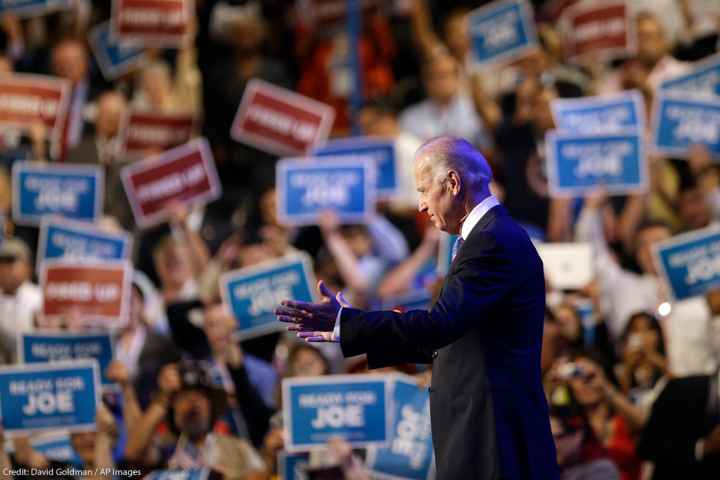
column 253, row 293
column 290, row 465
column 602, row 28
column 445, row 259
column 31, row 8
column 306, row 188
column 601, row 114
column 94, row 292
column 49, row 396
column 690, row 263
column 280, row 121
column 152, row 23
column 114, row 58
column 184, row 175
column 155, row 131
column 26, row 99
column 580, row 163
column 189, row 474
column 703, row 80
column 567, row 266
column 419, row 299
column 353, row 407
column 48, row 347
column 329, row 13
column 80, row 242
column 680, row 123
column 66, row 190
column 502, row 31
column 56, row 446
column 380, row 150
column 409, row 454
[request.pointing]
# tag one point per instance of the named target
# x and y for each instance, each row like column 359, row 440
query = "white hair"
column 445, row 153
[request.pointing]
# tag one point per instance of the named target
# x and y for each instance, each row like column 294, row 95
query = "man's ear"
column 454, row 182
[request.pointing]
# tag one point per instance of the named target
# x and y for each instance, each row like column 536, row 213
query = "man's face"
column 69, row 61
column 694, row 209
column 218, row 324
column 436, row 198
column 173, row 267
column 192, row 413
column 12, row 274
column 652, row 44
column 441, row 79
column 646, row 238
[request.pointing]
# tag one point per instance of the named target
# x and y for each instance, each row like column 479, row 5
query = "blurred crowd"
column 631, row 377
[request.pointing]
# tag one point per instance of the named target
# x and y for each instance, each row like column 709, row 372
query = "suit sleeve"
column 668, row 438
column 479, row 284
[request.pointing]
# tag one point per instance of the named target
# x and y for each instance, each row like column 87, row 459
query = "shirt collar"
column 477, row 214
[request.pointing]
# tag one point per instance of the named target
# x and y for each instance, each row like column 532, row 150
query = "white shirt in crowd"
column 16, row 315
column 688, row 329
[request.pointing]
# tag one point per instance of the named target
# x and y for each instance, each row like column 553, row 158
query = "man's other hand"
column 313, row 321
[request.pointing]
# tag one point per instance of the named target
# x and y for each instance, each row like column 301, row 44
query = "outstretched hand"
column 313, row 321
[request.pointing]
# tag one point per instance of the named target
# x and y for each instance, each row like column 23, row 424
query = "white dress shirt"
column 475, row 215
column 16, row 315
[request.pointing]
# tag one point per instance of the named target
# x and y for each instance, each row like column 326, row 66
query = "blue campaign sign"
column 703, row 80
column 382, row 151
column 680, row 123
column 690, row 263
column 353, row 407
column 39, row 347
column 419, row 299
column 580, row 163
column 190, row 474
column 27, row 8
column 49, row 396
column 502, row 31
column 447, row 240
column 80, row 241
column 307, row 187
column 56, row 447
column 253, row 293
column 290, row 465
column 115, row 59
column 69, row 191
column 601, row 114
column 409, row 454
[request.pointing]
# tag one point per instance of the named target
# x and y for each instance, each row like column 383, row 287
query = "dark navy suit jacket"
column 484, row 334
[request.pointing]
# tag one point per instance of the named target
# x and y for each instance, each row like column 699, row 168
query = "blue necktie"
column 456, row 246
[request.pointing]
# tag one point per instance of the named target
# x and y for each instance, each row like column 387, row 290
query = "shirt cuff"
column 336, row 330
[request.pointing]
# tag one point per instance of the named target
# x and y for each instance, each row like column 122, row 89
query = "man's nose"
column 422, row 207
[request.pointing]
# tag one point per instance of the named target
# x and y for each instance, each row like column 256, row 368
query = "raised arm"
column 401, row 277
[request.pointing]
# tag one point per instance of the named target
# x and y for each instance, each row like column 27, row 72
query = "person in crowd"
column 141, row 350
column 625, row 292
column 190, row 403
column 613, row 419
column 20, row 299
column 652, row 64
column 447, row 110
column 580, row 455
column 643, row 369
column 682, row 434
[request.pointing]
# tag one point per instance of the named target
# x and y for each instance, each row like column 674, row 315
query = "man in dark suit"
column 483, row 335
column 682, row 435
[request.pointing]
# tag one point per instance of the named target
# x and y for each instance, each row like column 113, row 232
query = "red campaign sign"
column 604, row 28
column 184, row 175
column 96, row 293
column 280, row 121
column 329, row 12
column 158, row 23
column 156, row 132
column 25, row 99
